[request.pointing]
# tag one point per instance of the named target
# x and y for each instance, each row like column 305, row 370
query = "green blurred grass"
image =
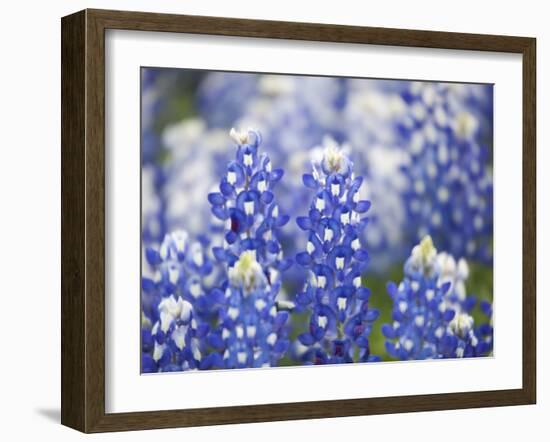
column 380, row 300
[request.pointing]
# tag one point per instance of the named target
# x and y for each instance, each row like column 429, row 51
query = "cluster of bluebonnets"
column 259, row 244
column 431, row 310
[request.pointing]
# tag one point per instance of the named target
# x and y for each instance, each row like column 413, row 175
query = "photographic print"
column 291, row 220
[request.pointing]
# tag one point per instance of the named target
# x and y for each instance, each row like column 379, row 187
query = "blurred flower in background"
column 422, row 149
column 449, row 193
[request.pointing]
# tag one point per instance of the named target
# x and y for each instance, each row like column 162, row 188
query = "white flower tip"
column 246, row 272
column 239, row 136
column 243, row 136
column 334, row 156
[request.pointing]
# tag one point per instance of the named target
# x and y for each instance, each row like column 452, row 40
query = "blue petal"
column 273, row 246
column 226, row 188
column 303, row 258
column 362, row 342
column 363, row 293
column 281, row 220
column 215, row 340
column 362, row 206
column 280, row 319
column 148, row 364
column 449, row 315
column 219, row 253
column 470, row 303
column 485, row 329
column 147, row 342
column 216, row 295
column 309, row 181
column 304, row 222
column 152, row 256
column 148, row 285
column 388, row 331
column 219, row 212
column 216, row 199
column 306, row 339
column 445, row 287
column 361, row 255
column 390, row 349
column 276, row 174
column 391, row 287
column 281, row 346
column 303, row 298
column 231, row 237
column 486, row 308
column 372, row 315
column 210, row 361
column 266, row 197
column 202, row 330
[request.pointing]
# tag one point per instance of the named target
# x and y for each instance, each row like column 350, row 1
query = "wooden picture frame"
column 83, row 219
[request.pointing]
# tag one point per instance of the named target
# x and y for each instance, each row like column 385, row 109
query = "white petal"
column 271, row 339
column 233, row 313
column 262, row 186
column 240, row 331
column 231, row 177
column 251, row 331
column 249, row 207
column 342, row 302
column 320, row 204
column 260, row 304
column 345, row 218
column 195, row 289
column 321, row 281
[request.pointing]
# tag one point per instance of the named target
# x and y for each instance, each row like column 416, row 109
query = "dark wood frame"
column 83, row 219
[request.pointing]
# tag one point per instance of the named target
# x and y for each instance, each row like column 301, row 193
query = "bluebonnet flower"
column 251, row 330
column 431, row 310
column 450, row 191
column 340, row 319
column 177, row 305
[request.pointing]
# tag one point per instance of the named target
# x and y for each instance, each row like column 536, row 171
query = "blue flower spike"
column 432, row 312
column 252, row 331
column 177, row 305
column 340, row 319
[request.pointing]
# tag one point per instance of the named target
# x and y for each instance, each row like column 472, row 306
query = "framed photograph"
column 268, row 220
